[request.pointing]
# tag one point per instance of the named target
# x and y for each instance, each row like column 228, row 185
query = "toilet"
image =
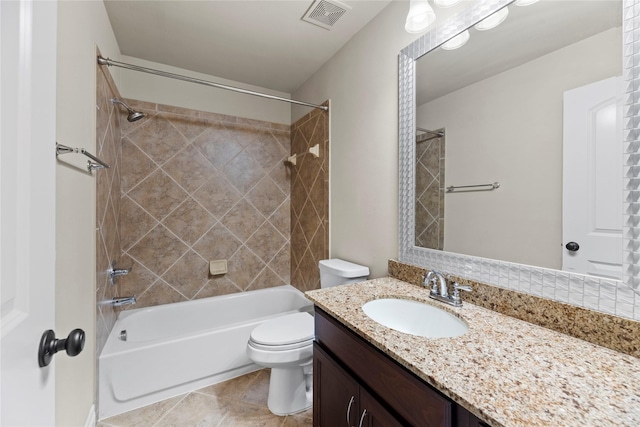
column 285, row 344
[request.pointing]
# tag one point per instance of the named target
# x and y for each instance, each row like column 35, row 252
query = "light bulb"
column 492, row 21
column 448, row 3
column 458, row 41
column 420, row 16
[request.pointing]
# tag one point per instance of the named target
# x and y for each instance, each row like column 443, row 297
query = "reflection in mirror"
column 525, row 104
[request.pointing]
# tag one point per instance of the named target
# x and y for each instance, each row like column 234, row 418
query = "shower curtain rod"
column 111, row 62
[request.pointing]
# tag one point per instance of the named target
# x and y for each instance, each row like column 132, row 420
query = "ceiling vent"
column 325, row 13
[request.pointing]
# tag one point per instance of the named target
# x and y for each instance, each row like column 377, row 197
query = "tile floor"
column 240, row 402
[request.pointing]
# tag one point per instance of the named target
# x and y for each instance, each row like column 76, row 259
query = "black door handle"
column 572, row 246
column 49, row 345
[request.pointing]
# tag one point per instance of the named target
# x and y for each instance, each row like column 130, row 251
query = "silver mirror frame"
column 621, row 298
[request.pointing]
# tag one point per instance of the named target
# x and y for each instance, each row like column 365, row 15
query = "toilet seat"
column 284, row 333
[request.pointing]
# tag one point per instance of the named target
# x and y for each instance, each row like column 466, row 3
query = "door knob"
column 572, row 246
column 50, row 345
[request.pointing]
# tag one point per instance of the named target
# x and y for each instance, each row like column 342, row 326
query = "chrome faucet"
column 120, row 301
column 114, row 272
column 440, row 291
column 438, row 283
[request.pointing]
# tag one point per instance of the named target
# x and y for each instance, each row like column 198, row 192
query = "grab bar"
column 91, row 165
column 493, row 186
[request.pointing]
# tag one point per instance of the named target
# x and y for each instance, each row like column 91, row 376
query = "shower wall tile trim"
column 200, row 186
column 108, row 148
column 310, row 199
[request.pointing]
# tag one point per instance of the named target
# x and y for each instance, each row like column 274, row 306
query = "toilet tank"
column 336, row 271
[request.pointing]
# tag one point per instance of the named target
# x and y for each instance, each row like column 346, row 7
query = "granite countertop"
column 506, row 371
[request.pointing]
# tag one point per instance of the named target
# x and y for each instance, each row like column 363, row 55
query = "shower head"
column 133, row 114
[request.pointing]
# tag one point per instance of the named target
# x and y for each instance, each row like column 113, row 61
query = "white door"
column 592, row 179
column 27, row 206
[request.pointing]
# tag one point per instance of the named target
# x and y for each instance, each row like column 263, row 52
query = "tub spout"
column 120, row 301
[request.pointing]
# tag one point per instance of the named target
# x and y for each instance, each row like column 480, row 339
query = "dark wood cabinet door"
column 373, row 414
column 335, row 393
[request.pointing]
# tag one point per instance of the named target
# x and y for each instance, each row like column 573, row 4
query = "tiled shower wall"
column 108, row 148
column 309, row 199
column 200, row 186
column 430, row 154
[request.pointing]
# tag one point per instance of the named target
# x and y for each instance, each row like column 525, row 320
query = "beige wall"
column 82, row 26
column 361, row 81
column 162, row 90
column 494, row 144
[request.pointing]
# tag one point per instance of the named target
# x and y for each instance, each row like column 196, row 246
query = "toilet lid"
column 288, row 329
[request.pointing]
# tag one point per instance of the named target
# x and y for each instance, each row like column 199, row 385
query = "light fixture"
column 493, row 20
column 525, row 2
column 458, row 41
column 448, row 3
column 420, row 16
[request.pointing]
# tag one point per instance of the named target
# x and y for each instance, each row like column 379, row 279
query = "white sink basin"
column 415, row 318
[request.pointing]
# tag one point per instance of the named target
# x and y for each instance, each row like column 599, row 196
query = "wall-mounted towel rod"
column 91, row 165
column 493, row 186
column 314, row 151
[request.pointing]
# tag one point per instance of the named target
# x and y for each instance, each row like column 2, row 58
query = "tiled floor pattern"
column 240, row 402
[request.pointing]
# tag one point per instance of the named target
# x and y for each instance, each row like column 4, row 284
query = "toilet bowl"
column 285, row 344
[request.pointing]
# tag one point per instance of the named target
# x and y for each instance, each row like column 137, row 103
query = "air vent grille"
column 325, row 13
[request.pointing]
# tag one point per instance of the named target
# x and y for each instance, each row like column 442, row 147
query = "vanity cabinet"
column 355, row 384
column 339, row 400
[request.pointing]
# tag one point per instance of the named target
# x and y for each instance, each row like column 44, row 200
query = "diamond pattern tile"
column 158, row 194
column 189, row 168
column 188, row 275
column 244, row 267
column 189, row 221
column 243, row 172
column 135, row 222
column 243, row 220
column 309, row 200
column 107, row 181
column 197, row 187
column 158, row 139
column 217, row 195
column 266, row 196
column 217, row 243
column 136, row 165
column 266, row 242
column 158, row 250
column 218, row 145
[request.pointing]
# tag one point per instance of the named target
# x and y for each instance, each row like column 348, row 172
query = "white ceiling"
column 259, row 42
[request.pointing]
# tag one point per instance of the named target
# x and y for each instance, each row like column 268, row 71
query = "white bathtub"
column 176, row 348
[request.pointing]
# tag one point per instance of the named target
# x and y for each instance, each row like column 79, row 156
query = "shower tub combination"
column 159, row 352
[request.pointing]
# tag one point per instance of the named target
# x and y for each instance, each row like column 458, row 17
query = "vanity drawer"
column 415, row 401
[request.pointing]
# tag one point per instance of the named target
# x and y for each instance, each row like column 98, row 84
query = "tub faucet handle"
column 115, row 272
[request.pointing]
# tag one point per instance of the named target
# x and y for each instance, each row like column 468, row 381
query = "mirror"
column 499, row 111
column 533, row 276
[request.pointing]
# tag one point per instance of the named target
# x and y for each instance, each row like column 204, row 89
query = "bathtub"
column 176, row 348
